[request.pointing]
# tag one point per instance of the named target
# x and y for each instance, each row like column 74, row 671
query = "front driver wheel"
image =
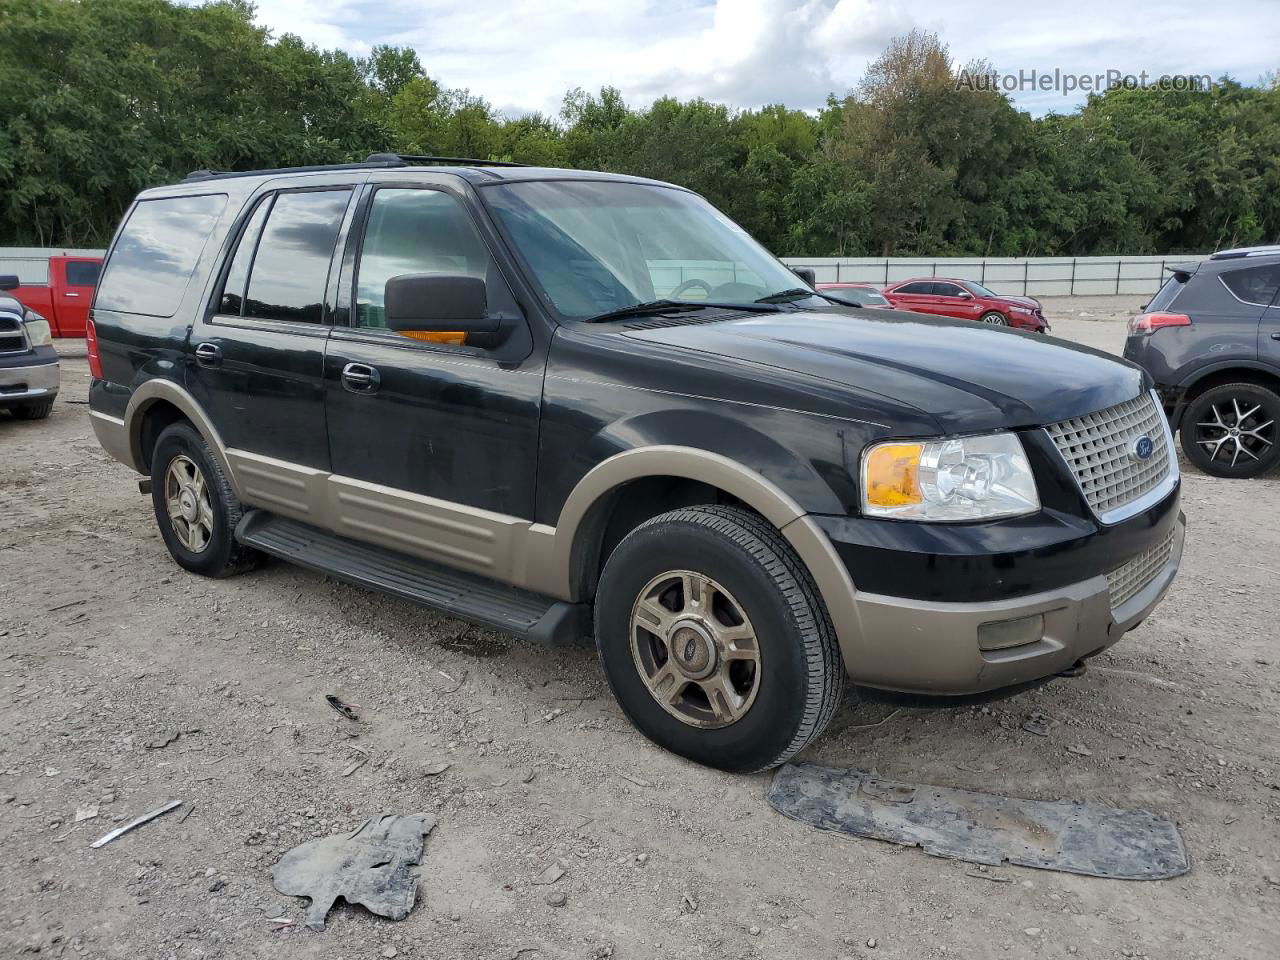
column 1231, row 430
column 714, row 640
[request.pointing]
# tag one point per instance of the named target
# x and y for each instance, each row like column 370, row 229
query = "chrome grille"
column 1098, row 449
column 12, row 337
column 1126, row 580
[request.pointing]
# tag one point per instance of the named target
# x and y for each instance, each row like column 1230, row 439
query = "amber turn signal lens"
column 454, row 338
column 892, row 472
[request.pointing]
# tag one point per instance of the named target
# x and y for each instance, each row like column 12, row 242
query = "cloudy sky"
column 522, row 55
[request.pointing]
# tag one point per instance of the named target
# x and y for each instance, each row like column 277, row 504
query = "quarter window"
column 1254, row 284
column 153, row 258
column 291, row 265
column 415, row 231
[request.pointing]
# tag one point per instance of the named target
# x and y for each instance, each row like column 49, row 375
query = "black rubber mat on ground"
column 982, row 827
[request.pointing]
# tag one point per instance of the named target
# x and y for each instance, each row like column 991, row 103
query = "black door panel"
column 455, row 423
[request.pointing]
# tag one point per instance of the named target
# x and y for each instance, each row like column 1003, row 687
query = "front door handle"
column 208, row 354
column 1275, row 336
column 360, row 378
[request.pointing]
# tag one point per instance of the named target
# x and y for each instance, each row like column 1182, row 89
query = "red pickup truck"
column 64, row 300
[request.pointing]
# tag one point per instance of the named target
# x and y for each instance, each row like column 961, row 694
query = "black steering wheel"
column 688, row 284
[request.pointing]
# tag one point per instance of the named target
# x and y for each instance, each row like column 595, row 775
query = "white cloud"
column 524, row 54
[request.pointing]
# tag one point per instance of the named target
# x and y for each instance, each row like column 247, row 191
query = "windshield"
column 979, row 289
column 597, row 247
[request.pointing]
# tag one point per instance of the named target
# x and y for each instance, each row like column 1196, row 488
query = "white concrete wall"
column 1020, row 276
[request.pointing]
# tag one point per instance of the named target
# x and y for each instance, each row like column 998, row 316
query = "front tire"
column 714, row 640
column 195, row 509
column 1233, row 430
column 995, row 318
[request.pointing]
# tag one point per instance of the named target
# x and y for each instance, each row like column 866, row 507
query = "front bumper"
column 26, row 377
column 919, row 646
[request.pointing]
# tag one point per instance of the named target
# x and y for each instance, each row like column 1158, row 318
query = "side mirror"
column 806, row 274
column 441, row 308
column 966, row 295
column 9, row 281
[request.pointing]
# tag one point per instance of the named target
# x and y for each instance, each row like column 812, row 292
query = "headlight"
column 965, row 478
column 38, row 332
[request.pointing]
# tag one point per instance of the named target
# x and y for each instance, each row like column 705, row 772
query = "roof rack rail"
column 385, row 160
column 448, row 161
column 1240, row 252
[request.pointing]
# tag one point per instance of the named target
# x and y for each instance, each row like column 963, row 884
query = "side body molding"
column 512, row 550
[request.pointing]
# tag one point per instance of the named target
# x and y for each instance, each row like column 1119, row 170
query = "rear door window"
column 152, row 261
column 291, row 265
column 1257, row 285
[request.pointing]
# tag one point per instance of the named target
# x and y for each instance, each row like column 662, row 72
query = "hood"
column 1024, row 301
column 968, row 377
column 9, row 304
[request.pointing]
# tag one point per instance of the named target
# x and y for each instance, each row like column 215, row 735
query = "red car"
column 64, row 300
column 967, row 300
column 861, row 294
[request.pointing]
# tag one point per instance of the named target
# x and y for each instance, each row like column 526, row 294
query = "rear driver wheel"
column 714, row 640
column 194, row 506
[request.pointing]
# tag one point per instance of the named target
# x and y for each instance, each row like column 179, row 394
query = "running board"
column 469, row 596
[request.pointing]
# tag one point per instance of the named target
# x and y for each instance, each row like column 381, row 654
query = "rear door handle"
column 360, row 378
column 208, row 354
column 1275, row 336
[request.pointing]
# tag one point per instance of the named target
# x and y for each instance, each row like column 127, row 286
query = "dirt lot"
column 125, row 682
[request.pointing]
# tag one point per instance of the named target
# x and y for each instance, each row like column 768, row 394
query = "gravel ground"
column 125, row 683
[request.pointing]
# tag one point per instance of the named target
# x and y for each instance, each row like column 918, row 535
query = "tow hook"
column 1077, row 669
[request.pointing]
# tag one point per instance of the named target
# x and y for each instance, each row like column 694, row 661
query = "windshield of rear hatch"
column 598, row 246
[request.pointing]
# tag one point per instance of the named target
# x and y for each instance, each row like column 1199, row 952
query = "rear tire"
column 34, row 409
column 714, row 640
column 195, row 509
column 1233, row 430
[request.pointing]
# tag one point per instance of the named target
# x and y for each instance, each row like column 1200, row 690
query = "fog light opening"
column 1005, row 634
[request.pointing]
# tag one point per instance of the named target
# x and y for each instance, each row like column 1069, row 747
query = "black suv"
column 1211, row 340
column 560, row 402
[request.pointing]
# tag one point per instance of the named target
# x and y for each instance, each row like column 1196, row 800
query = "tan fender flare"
column 553, row 553
column 156, row 390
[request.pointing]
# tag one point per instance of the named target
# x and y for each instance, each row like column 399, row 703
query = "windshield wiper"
column 790, row 296
column 678, row 306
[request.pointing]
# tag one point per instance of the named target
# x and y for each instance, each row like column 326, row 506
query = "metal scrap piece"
column 982, row 827
column 373, row 865
column 145, row 818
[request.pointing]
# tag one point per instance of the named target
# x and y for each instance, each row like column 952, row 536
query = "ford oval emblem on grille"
column 1142, row 448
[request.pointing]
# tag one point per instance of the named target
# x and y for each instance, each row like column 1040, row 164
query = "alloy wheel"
column 186, row 497
column 695, row 649
column 1236, row 430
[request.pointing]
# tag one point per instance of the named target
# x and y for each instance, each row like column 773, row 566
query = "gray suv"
column 1211, row 341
